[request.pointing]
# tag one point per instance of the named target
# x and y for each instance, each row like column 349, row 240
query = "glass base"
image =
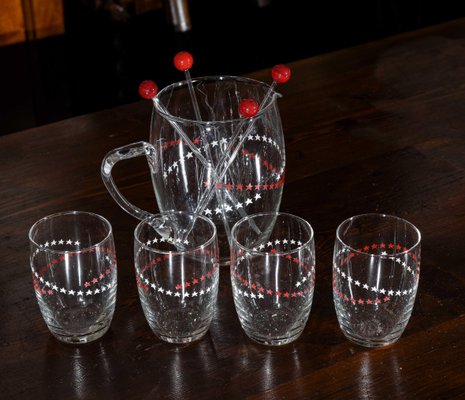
column 182, row 340
column 81, row 339
column 279, row 341
column 371, row 342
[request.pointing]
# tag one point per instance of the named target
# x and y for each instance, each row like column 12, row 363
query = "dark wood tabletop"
column 375, row 128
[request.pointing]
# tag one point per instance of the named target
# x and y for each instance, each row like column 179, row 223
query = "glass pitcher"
column 208, row 159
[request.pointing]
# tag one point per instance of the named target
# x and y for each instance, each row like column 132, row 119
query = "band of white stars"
column 256, row 290
column 146, row 285
column 90, row 288
column 170, row 239
column 374, row 289
column 222, row 143
column 260, row 293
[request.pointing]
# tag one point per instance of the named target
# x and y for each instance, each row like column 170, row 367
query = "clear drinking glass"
column 73, row 264
column 376, row 269
column 273, row 275
column 176, row 261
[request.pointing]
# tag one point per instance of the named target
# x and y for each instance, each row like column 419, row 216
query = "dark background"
column 100, row 60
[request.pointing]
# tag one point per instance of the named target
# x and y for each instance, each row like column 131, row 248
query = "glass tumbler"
column 273, row 275
column 176, row 261
column 73, row 264
column 376, row 269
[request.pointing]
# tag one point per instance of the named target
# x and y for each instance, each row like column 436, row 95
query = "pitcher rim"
column 156, row 101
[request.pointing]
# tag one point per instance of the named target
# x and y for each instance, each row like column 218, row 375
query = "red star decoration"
column 239, row 186
column 369, row 301
column 209, row 274
column 202, row 278
column 386, row 299
column 249, row 186
column 366, row 248
column 294, row 294
column 87, row 284
column 229, row 186
column 300, row 293
column 244, row 152
column 196, row 140
column 253, row 286
column 278, row 293
column 360, row 301
column 101, row 276
column 374, row 246
column 265, row 163
column 382, row 245
column 218, row 185
column 257, row 187
column 172, row 143
column 55, row 261
column 286, row 294
column 273, row 251
column 398, row 247
column 289, row 257
column 195, row 281
column 252, row 155
column 187, row 284
column 265, row 187
column 178, row 286
column 296, row 260
column 95, row 280
column 377, row 301
column 353, row 301
column 246, row 283
column 62, row 258
column 272, row 186
column 269, row 291
column 159, row 259
column 390, row 246
column 261, row 290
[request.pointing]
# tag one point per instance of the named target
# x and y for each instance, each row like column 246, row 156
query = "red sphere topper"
column 248, row 108
column 148, row 89
column 183, row 61
column 281, row 73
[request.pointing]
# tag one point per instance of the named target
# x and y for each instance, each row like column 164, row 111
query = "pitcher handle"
column 124, row 153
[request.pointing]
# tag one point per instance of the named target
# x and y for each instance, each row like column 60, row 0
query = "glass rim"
column 195, row 215
column 388, row 216
column 65, row 213
column 172, row 86
column 304, row 222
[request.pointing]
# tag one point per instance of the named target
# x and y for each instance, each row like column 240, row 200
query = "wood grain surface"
column 376, row 128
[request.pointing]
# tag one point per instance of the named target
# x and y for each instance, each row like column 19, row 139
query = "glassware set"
column 218, row 180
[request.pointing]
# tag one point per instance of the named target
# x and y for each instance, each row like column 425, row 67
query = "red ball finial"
column 148, row 89
column 281, row 73
column 248, row 108
column 183, row 61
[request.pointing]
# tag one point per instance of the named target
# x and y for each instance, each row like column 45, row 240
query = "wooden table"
column 376, row 128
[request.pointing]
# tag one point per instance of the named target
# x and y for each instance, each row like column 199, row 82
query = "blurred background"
column 62, row 58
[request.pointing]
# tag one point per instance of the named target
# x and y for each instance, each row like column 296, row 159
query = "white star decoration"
column 374, row 288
